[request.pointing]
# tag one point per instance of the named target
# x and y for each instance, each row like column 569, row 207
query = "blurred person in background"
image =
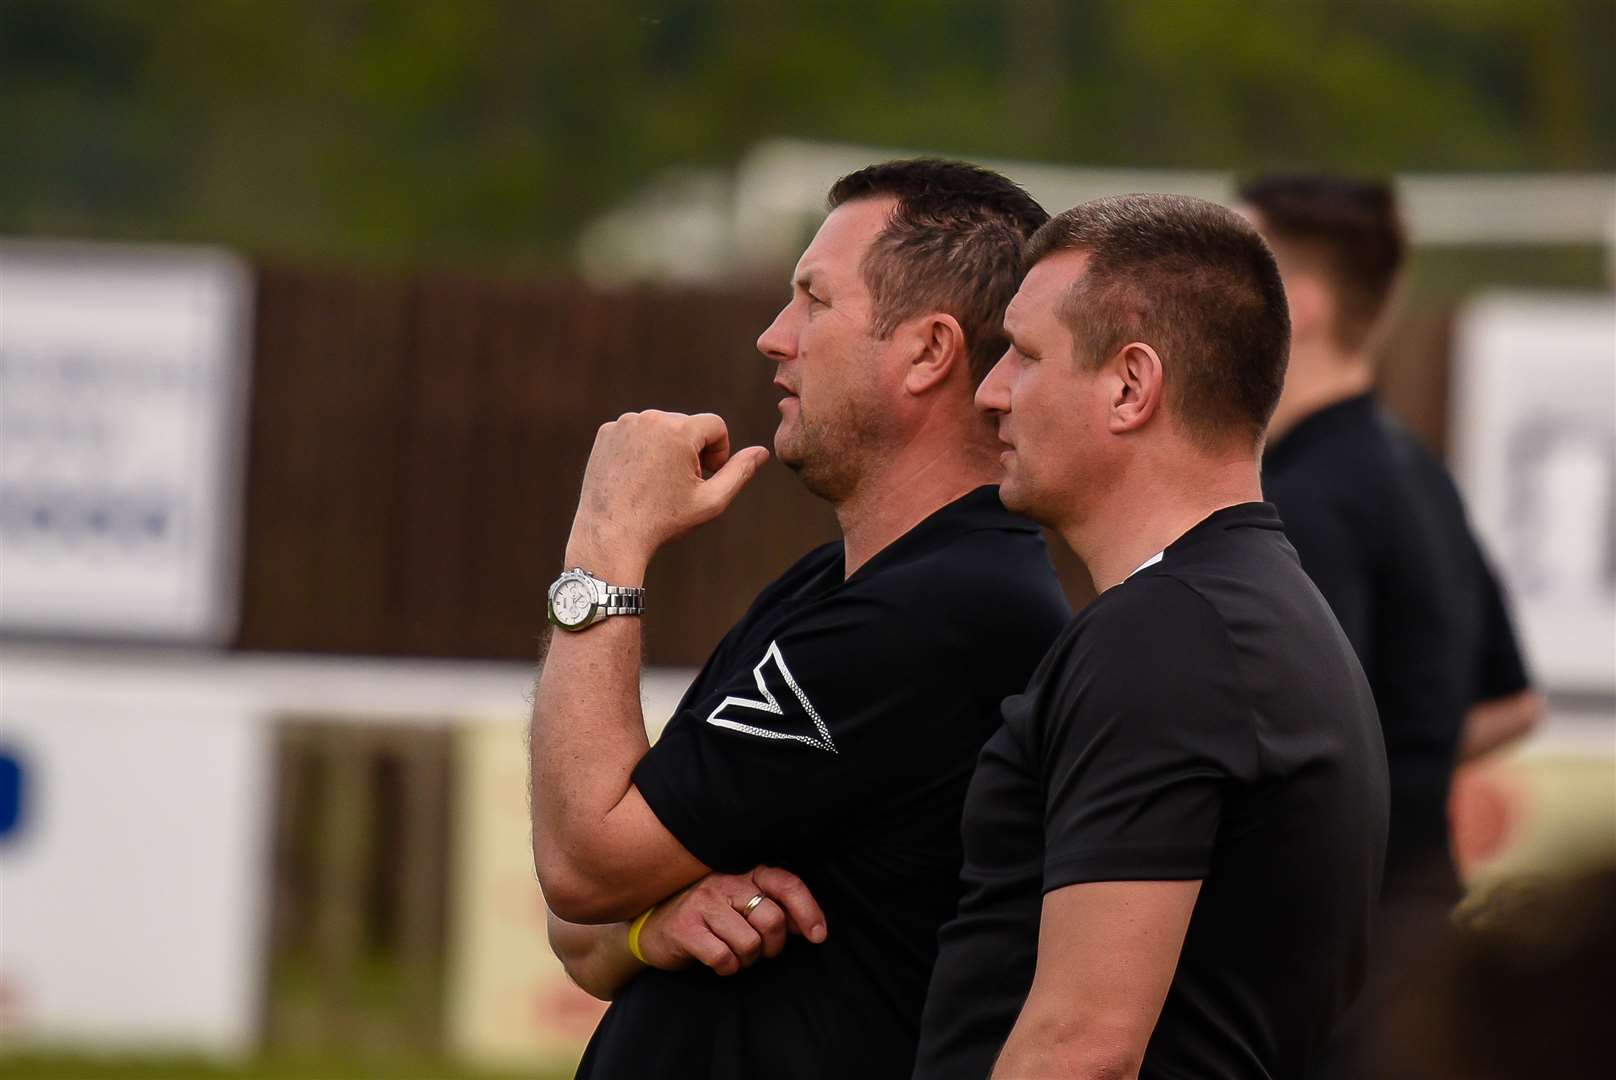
column 833, row 731
column 1381, row 529
column 1174, row 843
column 1520, row 990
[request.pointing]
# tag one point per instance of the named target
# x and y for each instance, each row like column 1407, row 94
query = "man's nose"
column 777, row 342
column 993, row 396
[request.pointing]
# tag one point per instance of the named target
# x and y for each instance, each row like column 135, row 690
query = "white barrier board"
column 122, row 381
column 1534, row 418
column 133, row 881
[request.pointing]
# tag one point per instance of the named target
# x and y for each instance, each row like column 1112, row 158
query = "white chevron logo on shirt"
column 733, row 712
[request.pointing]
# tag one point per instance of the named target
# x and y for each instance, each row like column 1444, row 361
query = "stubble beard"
column 832, row 455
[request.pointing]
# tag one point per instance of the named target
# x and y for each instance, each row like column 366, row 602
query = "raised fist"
column 652, row 477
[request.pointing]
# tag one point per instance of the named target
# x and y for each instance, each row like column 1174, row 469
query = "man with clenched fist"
column 811, row 781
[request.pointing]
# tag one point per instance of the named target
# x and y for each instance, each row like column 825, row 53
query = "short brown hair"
column 1348, row 228
column 1195, row 281
column 953, row 244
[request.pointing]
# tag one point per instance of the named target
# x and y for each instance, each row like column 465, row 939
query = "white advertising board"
column 1535, row 452
column 122, row 381
column 510, row 1004
column 133, row 875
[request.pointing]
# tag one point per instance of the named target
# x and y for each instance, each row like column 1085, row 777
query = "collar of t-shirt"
column 1258, row 514
column 1152, row 561
column 977, row 509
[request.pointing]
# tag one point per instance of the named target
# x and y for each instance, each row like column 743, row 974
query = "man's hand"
column 645, row 486
column 707, row 924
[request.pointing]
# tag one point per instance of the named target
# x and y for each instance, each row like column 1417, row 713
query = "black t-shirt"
column 1381, row 529
column 1205, row 719
column 833, row 732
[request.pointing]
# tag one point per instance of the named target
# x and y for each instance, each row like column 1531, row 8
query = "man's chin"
column 787, row 453
column 1016, row 498
column 1010, row 493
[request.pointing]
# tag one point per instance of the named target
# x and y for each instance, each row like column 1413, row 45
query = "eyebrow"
column 1019, row 343
column 1004, row 328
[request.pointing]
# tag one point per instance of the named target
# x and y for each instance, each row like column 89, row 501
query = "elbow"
column 587, row 906
column 579, row 978
column 566, row 888
column 579, row 897
column 597, row 992
column 1118, row 1069
column 1103, row 1063
column 1058, row 1049
column 575, row 957
column 580, row 879
column 1081, row 1063
column 571, row 895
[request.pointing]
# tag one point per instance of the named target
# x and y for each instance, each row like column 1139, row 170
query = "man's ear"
column 937, row 348
column 1137, row 389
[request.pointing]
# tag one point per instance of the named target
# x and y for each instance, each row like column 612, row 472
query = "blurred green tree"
column 407, row 132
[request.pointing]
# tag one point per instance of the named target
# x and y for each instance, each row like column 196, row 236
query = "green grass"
column 70, row 1066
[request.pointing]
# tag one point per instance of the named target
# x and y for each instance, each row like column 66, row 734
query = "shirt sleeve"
column 1501, row 670
column 1143, row 735
column 800, row 730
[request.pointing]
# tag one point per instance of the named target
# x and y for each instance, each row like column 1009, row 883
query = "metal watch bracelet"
column 624, row 599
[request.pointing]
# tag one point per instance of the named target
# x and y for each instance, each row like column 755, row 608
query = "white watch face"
column 572, row 601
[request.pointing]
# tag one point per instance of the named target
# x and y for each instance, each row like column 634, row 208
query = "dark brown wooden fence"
column 416, row 449
column 416, row 445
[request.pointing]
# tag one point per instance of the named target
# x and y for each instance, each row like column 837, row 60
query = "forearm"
column 600, row 850
column 1107, row 951
column 1491, row 725
column 1048, row 1044
column 595, row 957
column 588, row 732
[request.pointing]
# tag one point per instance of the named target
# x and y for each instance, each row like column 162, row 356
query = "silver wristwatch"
column 579, row 600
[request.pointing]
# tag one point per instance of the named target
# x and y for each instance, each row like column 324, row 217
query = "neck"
column 1316, row 380
column 1147, row 511
column 911, row 485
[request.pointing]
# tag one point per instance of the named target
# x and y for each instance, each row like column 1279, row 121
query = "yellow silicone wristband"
column 634, row 929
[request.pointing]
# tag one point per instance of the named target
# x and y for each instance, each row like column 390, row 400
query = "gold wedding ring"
column 751, row 905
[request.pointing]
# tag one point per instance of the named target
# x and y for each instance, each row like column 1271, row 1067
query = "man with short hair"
column 1173, row 845
column 1381, row 529
column 1377, row 520
column 832, row 732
